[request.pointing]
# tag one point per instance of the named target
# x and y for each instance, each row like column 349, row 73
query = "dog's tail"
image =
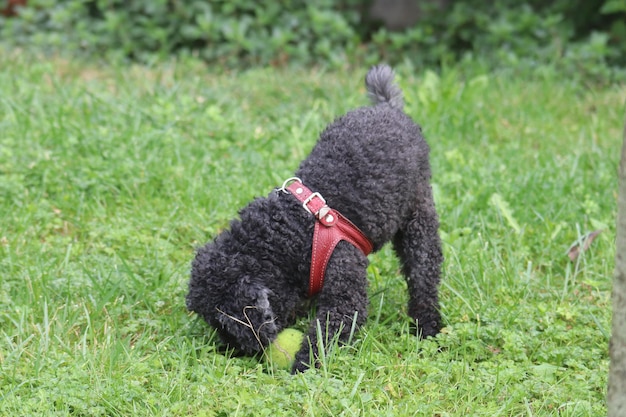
column 381, row 88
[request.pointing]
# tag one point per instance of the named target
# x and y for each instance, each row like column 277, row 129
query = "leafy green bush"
column 582, row 35
column 225, row 31
column 579, row 36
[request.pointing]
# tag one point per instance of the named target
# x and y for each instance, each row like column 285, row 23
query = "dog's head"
column 247, row 322
column 229, row 292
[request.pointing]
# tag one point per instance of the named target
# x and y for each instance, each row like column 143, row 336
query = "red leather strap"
column 330, row 228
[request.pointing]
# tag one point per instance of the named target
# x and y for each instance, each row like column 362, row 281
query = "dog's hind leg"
column 419, row 248
column 341, row 305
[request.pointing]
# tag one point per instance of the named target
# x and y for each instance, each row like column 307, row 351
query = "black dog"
column 371, row 166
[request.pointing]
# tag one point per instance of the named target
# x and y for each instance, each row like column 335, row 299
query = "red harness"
column 330, row 228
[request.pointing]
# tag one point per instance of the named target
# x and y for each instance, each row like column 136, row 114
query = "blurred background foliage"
column 580, row 36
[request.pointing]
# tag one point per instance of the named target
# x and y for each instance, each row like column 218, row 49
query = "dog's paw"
column 300, row 366
column 429, row 325
column 303, row 361
column 429, row 330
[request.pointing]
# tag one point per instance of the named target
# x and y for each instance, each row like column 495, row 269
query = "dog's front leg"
column 341, row 305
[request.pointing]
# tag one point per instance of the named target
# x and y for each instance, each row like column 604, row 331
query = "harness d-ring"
column 287, row 182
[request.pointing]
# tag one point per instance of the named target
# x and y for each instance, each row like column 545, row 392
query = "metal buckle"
column 309, row 199
column 286, row 184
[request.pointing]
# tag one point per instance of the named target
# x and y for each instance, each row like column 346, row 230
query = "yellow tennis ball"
column 282, row 352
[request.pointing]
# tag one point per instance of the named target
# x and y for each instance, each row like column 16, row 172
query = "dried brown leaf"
column 582, row 244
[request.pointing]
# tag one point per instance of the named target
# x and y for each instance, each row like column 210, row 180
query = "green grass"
column 111, row 176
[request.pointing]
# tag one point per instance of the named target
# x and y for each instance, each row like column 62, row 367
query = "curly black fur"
column 372, row 166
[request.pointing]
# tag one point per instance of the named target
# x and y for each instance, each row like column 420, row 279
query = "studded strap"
column 331, row 227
